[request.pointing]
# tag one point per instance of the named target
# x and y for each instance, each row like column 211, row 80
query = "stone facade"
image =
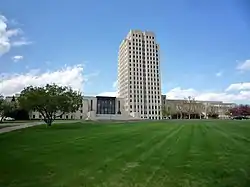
column 96, row 108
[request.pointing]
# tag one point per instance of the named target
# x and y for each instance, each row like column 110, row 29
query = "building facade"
column 175, row 106
column 139, row 81
column 96, row 108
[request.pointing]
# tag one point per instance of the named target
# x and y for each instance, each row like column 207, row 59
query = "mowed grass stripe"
column 173, row 161
column 137, row 166
column 128, row 158
column 227, row 155
column 165, row 153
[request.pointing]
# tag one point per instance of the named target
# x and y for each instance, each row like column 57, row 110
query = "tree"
column 240, row 110
column 213, row 111
column 1, row 108
column 189, row 105
column 199, row 109
column 180, row 109
column 166, row 111
column 5, row 108
column 51, row 101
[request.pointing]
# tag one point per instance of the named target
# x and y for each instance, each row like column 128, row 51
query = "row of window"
column 142, row 50
column 149, row 112
column 143, row 41
column 144, row 91
column 151, row 64
column 145, row 117
column 144, row 74
column 140, row 82
column 143, row 60
column 146, row 107
column 142, row 53
column 138, row 44
column 151, row 76
column 144, row 79
column 138, row 76
column 141, row 35
column 145, row 96
column 143, row 57
column 145, row 101
column 149, row 49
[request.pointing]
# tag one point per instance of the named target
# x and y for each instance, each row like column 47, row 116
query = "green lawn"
column 168, row 153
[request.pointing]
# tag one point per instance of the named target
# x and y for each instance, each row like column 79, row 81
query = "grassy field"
column 167, row 153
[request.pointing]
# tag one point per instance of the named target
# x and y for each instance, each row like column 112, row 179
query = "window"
column 34, row 116
column 105, row 105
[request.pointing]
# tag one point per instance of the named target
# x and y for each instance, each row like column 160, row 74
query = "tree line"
column 50, row 101
column 240, row 110
column 189, row 108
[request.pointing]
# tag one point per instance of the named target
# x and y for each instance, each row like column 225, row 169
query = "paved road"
column 16, row 126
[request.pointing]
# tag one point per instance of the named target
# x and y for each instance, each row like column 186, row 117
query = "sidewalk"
column 17, row 126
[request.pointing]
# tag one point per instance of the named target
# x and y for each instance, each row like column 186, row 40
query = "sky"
column 204, row 45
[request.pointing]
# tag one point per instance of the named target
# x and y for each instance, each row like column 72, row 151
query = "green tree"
column 1, row 108
column 5, row 108
column 51, row 101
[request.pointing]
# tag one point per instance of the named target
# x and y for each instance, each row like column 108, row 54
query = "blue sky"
column 205, row 45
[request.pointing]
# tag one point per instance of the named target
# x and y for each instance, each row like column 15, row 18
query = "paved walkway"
column 16, row 126
column 19, row 126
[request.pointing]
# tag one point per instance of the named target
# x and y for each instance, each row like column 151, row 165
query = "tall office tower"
column 139, row 80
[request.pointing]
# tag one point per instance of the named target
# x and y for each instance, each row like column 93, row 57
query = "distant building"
column 219, row 107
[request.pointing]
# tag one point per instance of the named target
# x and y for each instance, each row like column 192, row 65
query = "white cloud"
column 67, row 76
column 22, row 41
column 7, row 35
column 245, row 66
column 4, row 39
column 17, row 58
column 219, row 74
column 239, row 86
column 179, row 93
